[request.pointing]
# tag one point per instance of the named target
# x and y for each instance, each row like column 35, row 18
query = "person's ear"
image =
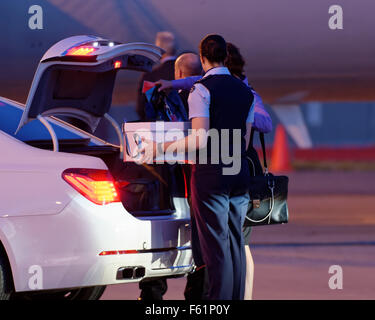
column 201, row 59
column 203, row 62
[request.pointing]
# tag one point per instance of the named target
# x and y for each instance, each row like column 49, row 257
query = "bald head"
column 187, row 65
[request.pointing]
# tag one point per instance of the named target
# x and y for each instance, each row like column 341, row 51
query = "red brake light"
column 81, row 51
column 96, row 185
column 127, row 251
column 107, row 253
column 116, row 252
column 117, row 64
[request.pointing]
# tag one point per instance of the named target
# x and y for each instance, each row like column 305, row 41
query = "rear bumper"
column 146, row 265
column 67, row 246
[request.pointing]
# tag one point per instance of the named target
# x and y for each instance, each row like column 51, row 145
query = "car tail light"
column 108, row 253
column 96, row 185
column 128, row 251
column 117, row 64
column 81, row 51
column 116, row 252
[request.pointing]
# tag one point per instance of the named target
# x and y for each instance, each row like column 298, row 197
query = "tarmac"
column 332, row 223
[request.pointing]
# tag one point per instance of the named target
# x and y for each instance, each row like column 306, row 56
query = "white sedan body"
column 49, row 228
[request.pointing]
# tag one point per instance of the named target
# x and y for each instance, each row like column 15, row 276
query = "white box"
column 159, row 131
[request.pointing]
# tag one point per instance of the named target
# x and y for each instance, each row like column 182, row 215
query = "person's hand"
column 164, row 84
column 147, row 151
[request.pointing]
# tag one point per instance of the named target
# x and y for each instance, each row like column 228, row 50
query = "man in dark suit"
column 164, row 70
column 154, row 289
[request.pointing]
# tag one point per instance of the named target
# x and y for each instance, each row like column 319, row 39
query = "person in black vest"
column 164, row 70
column 222, row 103
column 262, row 123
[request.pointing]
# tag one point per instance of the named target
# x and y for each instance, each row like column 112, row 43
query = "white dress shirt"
column 199, row 98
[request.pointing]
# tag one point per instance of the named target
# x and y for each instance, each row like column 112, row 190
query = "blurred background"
column 317, row 83
column 293, row 58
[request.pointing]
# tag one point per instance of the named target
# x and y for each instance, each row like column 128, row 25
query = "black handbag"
column 268, row 193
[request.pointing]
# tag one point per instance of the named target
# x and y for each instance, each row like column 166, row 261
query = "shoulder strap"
column 261, row 138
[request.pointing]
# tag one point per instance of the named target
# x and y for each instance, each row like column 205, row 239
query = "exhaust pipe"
column 139, row 272
column 130, row 273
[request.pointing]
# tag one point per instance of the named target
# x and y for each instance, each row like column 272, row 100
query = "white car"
column 73, row 216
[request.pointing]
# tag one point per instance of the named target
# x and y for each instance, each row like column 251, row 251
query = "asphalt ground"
column 332, row 223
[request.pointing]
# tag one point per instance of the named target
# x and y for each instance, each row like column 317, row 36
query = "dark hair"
column 234, row 61
column 214, row 48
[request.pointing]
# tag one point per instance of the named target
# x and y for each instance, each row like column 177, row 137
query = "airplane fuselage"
column 289, row 45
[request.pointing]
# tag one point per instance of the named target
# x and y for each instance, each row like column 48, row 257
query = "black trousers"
column 220, row 203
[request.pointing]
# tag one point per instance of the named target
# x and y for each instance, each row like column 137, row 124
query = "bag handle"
column 270, row 181
column 272, row 204
column 261, row 138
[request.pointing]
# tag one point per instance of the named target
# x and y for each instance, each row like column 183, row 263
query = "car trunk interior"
column 80, row 94
column 145, row 190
